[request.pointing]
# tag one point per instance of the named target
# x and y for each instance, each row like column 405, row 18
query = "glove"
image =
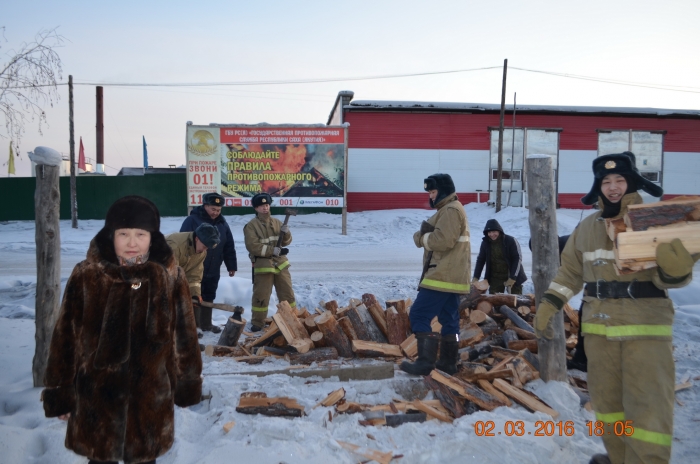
column 196, row 299
column 426, row 227
column 543, row 319
column 276, row 251
column 284, row 229
column 509, row 283
column 284, row 251
column 673, row 258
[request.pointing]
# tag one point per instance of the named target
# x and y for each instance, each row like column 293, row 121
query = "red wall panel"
column 383, row 129
column 362, row 201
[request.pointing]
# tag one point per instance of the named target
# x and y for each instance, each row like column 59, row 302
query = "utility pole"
column 499, row 175
column 71, row 141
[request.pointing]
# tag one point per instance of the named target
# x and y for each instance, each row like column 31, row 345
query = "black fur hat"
column 213, row 199
column 261, row 199
column 133, row 212
column 625, row 165
column 208, row 235
column 440, row 182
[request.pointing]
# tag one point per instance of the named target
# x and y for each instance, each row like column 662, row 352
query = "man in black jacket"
column 503, row 259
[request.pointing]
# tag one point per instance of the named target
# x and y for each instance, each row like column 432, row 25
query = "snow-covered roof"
column 486, row 107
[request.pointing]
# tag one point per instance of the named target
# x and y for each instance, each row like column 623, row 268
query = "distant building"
column 394, row 145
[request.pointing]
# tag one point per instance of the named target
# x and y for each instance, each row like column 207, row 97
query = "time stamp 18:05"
column 551, row 428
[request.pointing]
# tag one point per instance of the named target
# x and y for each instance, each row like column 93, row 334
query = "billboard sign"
column 299, row 166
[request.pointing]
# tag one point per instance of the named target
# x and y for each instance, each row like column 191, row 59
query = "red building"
column 394, row 145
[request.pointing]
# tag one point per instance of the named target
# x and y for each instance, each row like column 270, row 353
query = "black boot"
column 599, row 459
column 449, row 354
column 428, row 343
column 205, row 318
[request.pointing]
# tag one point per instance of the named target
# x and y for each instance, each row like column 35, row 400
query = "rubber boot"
column 205, row 319
column 198, row 315
column 449, row 354
column 428, row 343
column 600, row 459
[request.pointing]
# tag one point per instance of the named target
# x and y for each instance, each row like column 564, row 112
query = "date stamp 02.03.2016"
column 551, row 428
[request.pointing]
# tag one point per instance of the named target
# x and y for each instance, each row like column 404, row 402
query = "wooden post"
column 499, row 177
column 71, row 142
column 545, row 259
column 344, row 230
column 47, row 202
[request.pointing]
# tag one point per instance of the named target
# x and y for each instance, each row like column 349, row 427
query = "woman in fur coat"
column 124, row 350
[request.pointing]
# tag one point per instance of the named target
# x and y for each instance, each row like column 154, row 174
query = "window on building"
column 647, row 147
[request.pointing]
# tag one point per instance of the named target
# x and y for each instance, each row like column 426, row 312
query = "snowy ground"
column 377, row 256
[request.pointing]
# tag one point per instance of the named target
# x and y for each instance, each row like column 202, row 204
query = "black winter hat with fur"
column 133, row 212
column 261, row 199
column 625, row 165
column 440, row 182
column 208, row 235
column 213, row 199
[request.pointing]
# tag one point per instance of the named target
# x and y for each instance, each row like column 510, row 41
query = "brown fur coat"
column 122, row 355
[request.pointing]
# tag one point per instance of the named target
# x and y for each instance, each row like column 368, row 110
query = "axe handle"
column 279, row 239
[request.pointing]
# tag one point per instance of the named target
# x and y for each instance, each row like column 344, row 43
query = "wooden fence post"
column 47, row 202
column 545, row 259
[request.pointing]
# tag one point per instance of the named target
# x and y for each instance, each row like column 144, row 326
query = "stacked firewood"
column 643, row 227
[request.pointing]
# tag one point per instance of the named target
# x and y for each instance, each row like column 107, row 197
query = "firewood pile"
column 498, row 354
column 644, row 226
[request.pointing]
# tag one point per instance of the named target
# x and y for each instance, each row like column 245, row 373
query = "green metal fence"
column 97, row 193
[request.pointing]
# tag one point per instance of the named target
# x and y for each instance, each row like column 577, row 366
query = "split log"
column 509, row 336
column 524, row 371
column 327, row 324
column 332, row 306
column 367, row 349
column 448, row 400
column 270, row 334
column 271, row 351
column 368, row 300
column 524, row 399
column 397, row 326
column 523, row 334
column 371, row 327
column 662, row 213
column 310, row 325
column 517, row 320
column 221, row 351
column 250, row 359
column 347, row 328
column 302, row 314
column 493, row 374
column 332, row 398
column 571, row 314
column 394, row 420
column 354, row 302
column 400, row 305
column 295, row 334
column 432, row 412
column 410, row 347
column 379, row 317
column 278, row 407
column 228, row 426
column 476, row 290
column 358, row 327
column 614, row 227
column 318, row 339
column 471, row 392
column 489, row 388
column 435, row 325
column 232, row 332
column 641, row 246
column 311, row 356
column 367, row 453
column 478, row 316
column 523, row 344
column 484, row 306
column 470, row 335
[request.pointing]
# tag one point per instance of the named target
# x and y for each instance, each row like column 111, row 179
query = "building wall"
column 390, row 153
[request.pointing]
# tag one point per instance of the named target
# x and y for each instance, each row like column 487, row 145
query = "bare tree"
column 28, row 82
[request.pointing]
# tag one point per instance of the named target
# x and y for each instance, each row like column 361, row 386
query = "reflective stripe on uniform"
column 283, row 265
column 293, row 304
column 272, row 239
column 598, row 254
column 195, row 285
column 565, row 291
column 258, row 308
column 610, row 417
column 424, row 240
column 264, row 250
column 445, row 285
column 463, row 238
column 648, row 436
column 628, row 330
column 265, row 270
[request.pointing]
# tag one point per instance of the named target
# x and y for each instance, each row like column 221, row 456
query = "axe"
column 287, row 212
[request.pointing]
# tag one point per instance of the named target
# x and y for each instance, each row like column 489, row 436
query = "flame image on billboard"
column 297, row 166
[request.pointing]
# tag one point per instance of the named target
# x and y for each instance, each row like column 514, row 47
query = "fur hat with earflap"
column 625, row 165
column 261, row 199
column 133, row 212
column 440, row 182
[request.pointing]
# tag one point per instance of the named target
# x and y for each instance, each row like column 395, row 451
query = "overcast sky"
column 639, row 41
